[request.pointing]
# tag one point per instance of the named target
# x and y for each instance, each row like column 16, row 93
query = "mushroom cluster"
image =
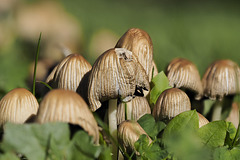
column 121, row 77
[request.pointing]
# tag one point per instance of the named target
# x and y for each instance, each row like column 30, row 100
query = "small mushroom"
column 234, row 115
column 221, row 79
column 170, row 103
column 139, row 42
column 133, row 110
column 69, row 72
column 17, row 106
column 202, row 120
column 184, row 74
column 128, row 133
column 67, row 106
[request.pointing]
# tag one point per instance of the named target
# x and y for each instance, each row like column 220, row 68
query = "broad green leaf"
column 182, row 123
column 159, row 84
column 213, row 134
column 148, row 151
column 231, row 132
column 82, row 146
column 224, row 153
column 8, row 156
column 151, row 127
column 36, row 141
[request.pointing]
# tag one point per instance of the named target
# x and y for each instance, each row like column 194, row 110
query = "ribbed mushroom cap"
column 116, row 74
column 69, row 72
column 221, row 78
column 184, row 74
column 17, row 106
column 170, row 103
column 139, row 42
column 138, row 107
column 67, row 106
column 202, row 120
column 128, row 133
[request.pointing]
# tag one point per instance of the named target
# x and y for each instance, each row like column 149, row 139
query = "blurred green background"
column 201, row 31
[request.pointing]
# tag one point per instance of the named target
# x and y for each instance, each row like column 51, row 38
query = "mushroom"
column 67, row 106
column 69, row 72
column 184, row 74
column 154, row 70
column 128, row 133
column 170, row 103
column 139, row 42
column 234, row 115
column 116, row 74
column 221, row 79
column 17, row 106
column 202, row 120
column 133, row 110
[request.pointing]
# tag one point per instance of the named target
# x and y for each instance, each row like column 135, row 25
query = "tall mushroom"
column 222, row 78
column 17, row 106
column 116, row 74
column 67, row 106
column 140, row 43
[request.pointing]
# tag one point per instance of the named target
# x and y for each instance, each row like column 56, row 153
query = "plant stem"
column 112, row 122
column 217, row 110
column 35, row 65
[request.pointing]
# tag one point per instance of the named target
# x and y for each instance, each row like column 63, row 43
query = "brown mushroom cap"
column 69, row 72
column 202, row 120
column 221, row 78
column 139, row 106
column 184, row 74
column 139, row 42
column 67, row 106
column 170, row 103
column 17, row 106
column 116, row 74
column 128, row 133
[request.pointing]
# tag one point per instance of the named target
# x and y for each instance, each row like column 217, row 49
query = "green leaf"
column 8, row 156
column 213, row 134
column 36, row 141
column 151, row 127
column 231, row 132
column 148, row 151
column 223, row 153
column 182, row 123
column 159, row 84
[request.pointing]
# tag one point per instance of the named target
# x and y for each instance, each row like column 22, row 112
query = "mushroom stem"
column 217, row 110
column 112, row 122
column 128, row 110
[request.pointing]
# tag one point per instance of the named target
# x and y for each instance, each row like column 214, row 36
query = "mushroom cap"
column 139, row 42
column 128, row 133
column 202, row 120
column 67, row 106
column 17, row 106
column 116, row 74
column 221, row 78
column 184, row 74
column 69, row 72
column 170, row 103
column 138, row 106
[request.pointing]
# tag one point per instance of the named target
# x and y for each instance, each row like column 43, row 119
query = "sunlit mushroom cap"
column 69, row 72
column 17, row 106
column 170, row 103
column 128, row 133
column 137, row 107
column 67, row 106
column 116, row 74
column 184, row 74
column 139, row 42
column 202, row 120
column 221, row 78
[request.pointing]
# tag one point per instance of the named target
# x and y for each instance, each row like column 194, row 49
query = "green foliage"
column 151, row 127
column 49, row 141
column 158, row 85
